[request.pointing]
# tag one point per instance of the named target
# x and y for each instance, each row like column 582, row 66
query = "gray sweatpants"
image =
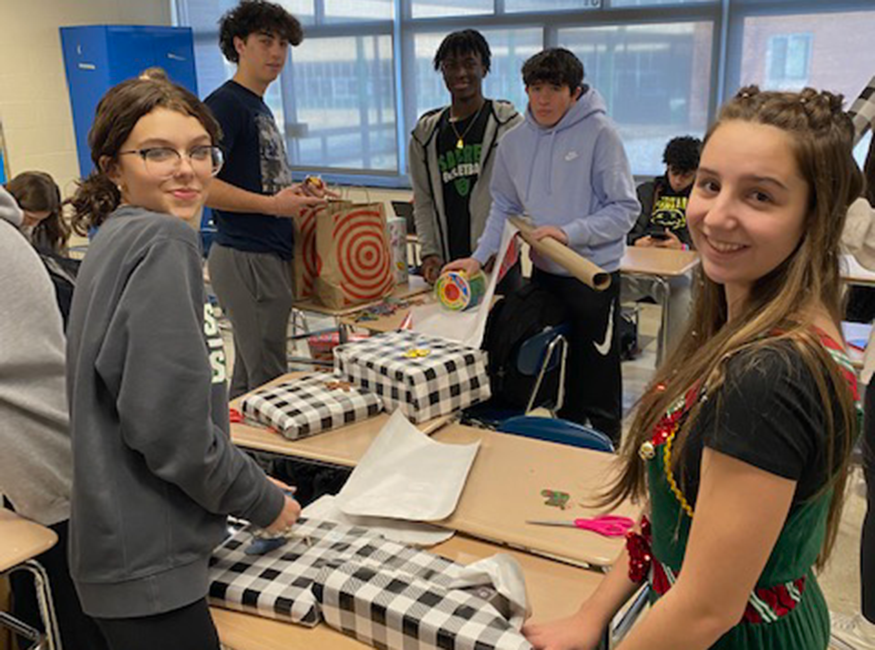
column 255, row 291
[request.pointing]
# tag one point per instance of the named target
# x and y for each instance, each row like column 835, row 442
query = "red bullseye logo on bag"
column 342, row 254
column 364, row 259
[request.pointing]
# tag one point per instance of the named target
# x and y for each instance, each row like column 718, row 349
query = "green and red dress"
column 768, row 413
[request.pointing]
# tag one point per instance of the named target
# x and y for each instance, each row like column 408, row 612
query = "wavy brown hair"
column 38, row 192
column 780, row 304
column 116, row 116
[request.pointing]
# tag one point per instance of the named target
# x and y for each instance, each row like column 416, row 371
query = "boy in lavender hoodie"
column 565, row 167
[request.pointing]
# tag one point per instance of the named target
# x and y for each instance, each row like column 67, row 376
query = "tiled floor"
column 840, row 580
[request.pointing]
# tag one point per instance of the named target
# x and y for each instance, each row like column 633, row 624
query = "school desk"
column 21, row 540
column 503, row 488
column 554, row 590
column 854, row 273
column 661, row 265
column 415, row 286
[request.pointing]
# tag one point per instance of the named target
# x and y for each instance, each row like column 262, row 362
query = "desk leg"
column 665, row 300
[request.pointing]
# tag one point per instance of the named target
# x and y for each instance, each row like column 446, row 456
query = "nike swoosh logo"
column 605, row 346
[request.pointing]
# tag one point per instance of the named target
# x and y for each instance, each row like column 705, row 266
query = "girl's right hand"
column 287, row 517
column 571, row 633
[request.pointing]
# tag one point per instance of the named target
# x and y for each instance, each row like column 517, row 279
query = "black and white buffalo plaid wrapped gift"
column 381, row 592
column 424, row 376
column 303, row 407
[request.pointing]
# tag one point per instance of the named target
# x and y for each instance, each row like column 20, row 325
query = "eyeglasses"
column 163, row 162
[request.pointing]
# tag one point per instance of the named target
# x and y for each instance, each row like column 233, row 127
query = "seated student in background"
column 663, row 224
column 452, row 153
column 740, row 447
column 154, row 470
column 566, row 168
column 35, row 463
column 40, row 198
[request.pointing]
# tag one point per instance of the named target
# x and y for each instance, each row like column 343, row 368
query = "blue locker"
column 97, row 57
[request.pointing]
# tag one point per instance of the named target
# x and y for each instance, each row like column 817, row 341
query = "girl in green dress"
column 740, row 447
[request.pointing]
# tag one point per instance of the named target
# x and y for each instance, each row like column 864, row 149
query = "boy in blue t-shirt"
column 565, row 167
column 253, row 197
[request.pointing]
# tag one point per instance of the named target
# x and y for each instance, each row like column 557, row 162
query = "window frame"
column 726, row 16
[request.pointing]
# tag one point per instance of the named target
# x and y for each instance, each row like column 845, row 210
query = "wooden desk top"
column 22, row 539
column 416, row 286
column 388, row 323
column 504, row 486
column 658, row 261
column 344, row 446
column 554, row 590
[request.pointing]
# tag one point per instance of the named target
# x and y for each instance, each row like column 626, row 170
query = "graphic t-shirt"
column 670, row 208
column 255, row 160
column 460, row 169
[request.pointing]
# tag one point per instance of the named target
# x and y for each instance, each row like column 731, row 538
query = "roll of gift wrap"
column 397, row 227
column 458, row 292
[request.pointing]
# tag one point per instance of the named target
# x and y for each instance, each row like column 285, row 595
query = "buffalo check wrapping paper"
column 862, row 111
column 378, row 591
column 423, row 376
column 309, row 405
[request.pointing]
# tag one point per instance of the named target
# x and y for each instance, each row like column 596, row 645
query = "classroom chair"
column 538, row 355
column 207, row 231
column 21, row 541
column 560, row 431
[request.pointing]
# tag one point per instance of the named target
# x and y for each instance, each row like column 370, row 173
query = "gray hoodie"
column 155, row 471
column 425, row 176
column 35, row 456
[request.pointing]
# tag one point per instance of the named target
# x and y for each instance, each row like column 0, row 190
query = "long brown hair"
column 117, row 114
column 778, row 308
column 38, row 192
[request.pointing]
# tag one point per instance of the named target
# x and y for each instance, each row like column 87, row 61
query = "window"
column 655, row 80
column 342, row 11
column 353, row 90
column 512, row 6
column 788, row 52
column 787, row 58
column 450, row 8
column 343, row 104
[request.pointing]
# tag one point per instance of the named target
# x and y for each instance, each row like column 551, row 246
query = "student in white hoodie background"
column 858, row 239
column 565, row 167
column 36, row 459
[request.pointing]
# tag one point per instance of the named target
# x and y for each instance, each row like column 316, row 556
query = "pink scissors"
column 607, row 525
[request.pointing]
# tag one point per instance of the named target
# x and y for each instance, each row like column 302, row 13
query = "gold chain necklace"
column 460, row 142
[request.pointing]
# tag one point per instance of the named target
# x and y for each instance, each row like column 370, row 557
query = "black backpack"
column 513, row 320
column 63, row 272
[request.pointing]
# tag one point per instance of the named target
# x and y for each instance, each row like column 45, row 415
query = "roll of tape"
column 458, row 292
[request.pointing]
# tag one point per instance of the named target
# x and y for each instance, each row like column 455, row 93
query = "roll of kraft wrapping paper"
column 457, row 292
column 580, row 267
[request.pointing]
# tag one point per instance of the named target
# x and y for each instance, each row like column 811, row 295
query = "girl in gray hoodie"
column 154, row 470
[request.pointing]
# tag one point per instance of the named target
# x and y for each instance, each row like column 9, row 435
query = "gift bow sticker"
column 555, row 498
column 342, row 385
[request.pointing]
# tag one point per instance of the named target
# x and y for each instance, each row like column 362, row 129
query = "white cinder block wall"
column 34, row 101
